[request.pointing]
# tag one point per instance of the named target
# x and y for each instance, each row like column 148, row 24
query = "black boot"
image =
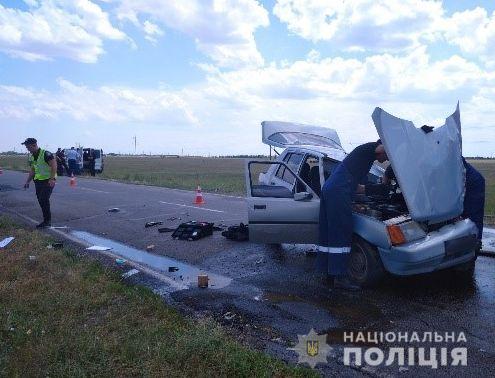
column 43, row 224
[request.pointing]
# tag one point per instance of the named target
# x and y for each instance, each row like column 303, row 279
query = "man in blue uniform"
column 474, row 198
column 336, row 224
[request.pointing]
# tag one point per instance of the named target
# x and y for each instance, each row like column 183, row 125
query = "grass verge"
column 62, row 315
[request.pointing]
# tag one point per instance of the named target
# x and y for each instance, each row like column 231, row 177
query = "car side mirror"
column 302, row 196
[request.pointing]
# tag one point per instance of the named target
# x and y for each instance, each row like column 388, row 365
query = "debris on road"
column 173, row 269
column 98, row 248
column 5, row 242
column 152, row 224
column 203, row 281
column 165, row 229
column 193, row 230
column 59, row 228
column 130, row 273
column 172, row 218
column 120, row 261
column 114, row 210
column 150, row 247
column 237, row 233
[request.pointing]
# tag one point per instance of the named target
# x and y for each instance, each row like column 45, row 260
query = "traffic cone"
column 199, row 197
column 72, row 181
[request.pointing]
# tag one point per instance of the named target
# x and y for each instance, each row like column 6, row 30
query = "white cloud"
column 377, row 77
column 107, row 104
column 378, row 25
column 473, row 31
column 56, row 28
column 222, row 29
column 152, row 31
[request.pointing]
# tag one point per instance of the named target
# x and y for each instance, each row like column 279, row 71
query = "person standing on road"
column 61, row 163
column 72, row 157
column 335, row 223
column 44, row 172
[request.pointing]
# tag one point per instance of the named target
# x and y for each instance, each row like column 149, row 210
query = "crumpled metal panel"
column 428, row 166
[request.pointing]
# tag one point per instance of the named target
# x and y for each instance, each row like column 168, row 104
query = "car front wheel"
column 365, row 265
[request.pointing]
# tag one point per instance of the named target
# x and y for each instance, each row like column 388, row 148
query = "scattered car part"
column 237, row 233
column 5, row 242
column 165, row 229
column 98, row 248
column 151, row 224
column 130, row 273
column 114, row 210
column 193, row 230
column 203, row 281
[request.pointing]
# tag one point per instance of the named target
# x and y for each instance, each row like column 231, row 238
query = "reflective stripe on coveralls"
column 336, row 223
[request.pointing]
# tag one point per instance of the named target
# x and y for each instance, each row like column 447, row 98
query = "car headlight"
column 405, row 232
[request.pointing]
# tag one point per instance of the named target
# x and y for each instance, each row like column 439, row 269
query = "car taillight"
column 396, row 235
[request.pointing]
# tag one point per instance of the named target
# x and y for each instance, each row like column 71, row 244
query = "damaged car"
column 414, row 228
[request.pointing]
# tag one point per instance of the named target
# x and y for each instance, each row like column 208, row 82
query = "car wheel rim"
column 358, row 265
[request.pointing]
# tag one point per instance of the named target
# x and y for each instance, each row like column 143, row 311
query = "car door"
column 277, row 214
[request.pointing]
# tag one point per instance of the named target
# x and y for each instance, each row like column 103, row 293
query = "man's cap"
column 30, row 141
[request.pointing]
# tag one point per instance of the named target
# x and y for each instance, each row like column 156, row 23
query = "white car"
column 416, row 229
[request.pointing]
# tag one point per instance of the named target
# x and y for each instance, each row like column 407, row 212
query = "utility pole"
column 135, row 144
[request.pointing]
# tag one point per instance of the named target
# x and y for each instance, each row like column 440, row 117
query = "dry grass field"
column 222, row 175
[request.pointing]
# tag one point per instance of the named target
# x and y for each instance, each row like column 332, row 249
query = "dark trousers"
column 43, row 193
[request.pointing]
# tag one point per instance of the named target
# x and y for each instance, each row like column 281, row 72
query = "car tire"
column 365, row 265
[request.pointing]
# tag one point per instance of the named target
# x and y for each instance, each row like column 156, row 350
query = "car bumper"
column 451, row 245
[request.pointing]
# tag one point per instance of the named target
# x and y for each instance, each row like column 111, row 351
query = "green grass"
column 220, row 175
column 63, row 315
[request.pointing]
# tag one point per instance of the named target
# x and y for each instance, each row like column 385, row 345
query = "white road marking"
column 93, row 190
column 193, row 207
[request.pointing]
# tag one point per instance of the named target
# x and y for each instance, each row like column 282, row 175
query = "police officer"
column 474, row 198
column 44, row 172
column 336, row 226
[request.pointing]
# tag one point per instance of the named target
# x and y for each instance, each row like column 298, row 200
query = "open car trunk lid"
column 428, row 166
column 284, row 134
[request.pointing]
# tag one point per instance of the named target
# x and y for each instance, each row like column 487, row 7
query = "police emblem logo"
column 312, row 348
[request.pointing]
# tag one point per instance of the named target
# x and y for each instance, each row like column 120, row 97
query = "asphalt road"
column 273, row 294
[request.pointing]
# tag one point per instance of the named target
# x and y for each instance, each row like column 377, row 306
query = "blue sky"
column 200, row 75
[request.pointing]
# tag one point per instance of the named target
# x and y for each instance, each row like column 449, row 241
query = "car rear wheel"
column 365, row 265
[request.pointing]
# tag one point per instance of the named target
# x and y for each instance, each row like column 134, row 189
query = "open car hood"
column 285, row 134
column 428, row 166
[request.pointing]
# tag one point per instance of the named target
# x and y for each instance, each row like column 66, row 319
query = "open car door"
column 277, row 214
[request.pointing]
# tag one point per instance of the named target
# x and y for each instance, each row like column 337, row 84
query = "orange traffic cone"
column 72, row 181
column 199, row 197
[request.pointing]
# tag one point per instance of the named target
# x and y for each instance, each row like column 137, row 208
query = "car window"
column 329, row 166
column 281, row 168
column 293, row 163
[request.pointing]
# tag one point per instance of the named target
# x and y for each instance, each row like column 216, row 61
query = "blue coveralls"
column 335, row 221
column 474, row 198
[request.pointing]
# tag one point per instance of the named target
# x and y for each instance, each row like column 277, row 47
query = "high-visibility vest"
column 42, row 170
